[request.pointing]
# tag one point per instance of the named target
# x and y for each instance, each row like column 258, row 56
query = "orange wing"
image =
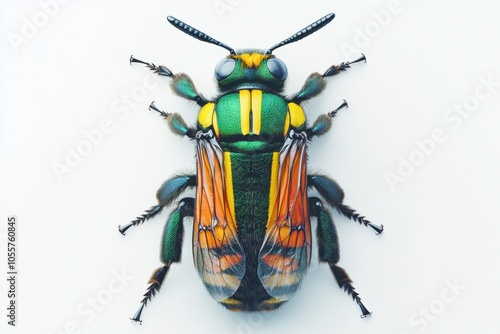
column 286, row 251
column 218, row 254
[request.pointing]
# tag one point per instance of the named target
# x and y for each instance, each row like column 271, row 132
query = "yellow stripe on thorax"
column 245, row 107
column 228, row 176
column 256, row 111
column 250, row 111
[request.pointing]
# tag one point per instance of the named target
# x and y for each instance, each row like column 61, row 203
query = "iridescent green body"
column 251, row 211
column 251, row 126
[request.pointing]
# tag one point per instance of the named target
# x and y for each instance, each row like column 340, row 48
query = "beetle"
column 251, row 210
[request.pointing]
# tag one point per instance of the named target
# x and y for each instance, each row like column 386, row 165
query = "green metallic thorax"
column 251, row 120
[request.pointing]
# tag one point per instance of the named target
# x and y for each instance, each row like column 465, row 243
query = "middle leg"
column 334, row 195
column 168, row 192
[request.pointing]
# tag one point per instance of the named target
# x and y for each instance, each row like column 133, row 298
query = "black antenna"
column 186, row 28
column 312, row 28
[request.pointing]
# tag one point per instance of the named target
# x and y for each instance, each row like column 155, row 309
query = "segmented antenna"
column 312, row 28
column 187, row 29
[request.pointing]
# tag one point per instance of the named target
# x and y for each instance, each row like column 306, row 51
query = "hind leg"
column 170, row 250
column 328, row 249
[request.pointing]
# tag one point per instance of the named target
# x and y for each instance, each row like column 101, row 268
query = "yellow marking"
column 215, row 125
column 245, row 108
column 231, row 301
column 297, row 116
column 273, row 191
column 229, row 184
column 256, row 110
column 251, row 60
column 273, row 301
column 287, row 124
column 205, row 116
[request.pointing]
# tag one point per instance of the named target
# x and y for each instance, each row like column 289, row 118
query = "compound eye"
column 224, row 68
column 277, row 68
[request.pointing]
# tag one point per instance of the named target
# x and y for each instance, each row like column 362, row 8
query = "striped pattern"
column 286, row 252
column 218, row 254
column 250, row 111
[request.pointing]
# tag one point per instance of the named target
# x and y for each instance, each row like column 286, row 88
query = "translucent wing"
column 286, row 251
column 218, row 254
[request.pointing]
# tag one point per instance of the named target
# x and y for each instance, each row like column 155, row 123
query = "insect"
column 251, row 210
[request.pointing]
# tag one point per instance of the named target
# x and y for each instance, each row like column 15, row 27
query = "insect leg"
column 181, row 83
column 316, row 82
column 323, row 123
column 314, row 85
column 328, row 250
column 175, row 122
column 168, row 192
column 336, row 69
column 170, row 251
column 334, row 195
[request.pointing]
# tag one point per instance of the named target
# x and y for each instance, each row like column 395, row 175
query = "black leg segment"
column 155, row 282
column 160, row 70
column 169, row 191
column 170, row 251
column 334, row 195
column 328, row 250
column 148, row 214
column 344, row 282
column 336, row 69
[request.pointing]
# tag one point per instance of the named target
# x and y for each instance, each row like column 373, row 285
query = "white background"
column 442, row 225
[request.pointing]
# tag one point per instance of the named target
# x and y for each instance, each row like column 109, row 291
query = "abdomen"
column 251, row 175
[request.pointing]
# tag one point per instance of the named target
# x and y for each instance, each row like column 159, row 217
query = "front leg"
column 316, row 82
column 181, row 84
column 336, row 69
